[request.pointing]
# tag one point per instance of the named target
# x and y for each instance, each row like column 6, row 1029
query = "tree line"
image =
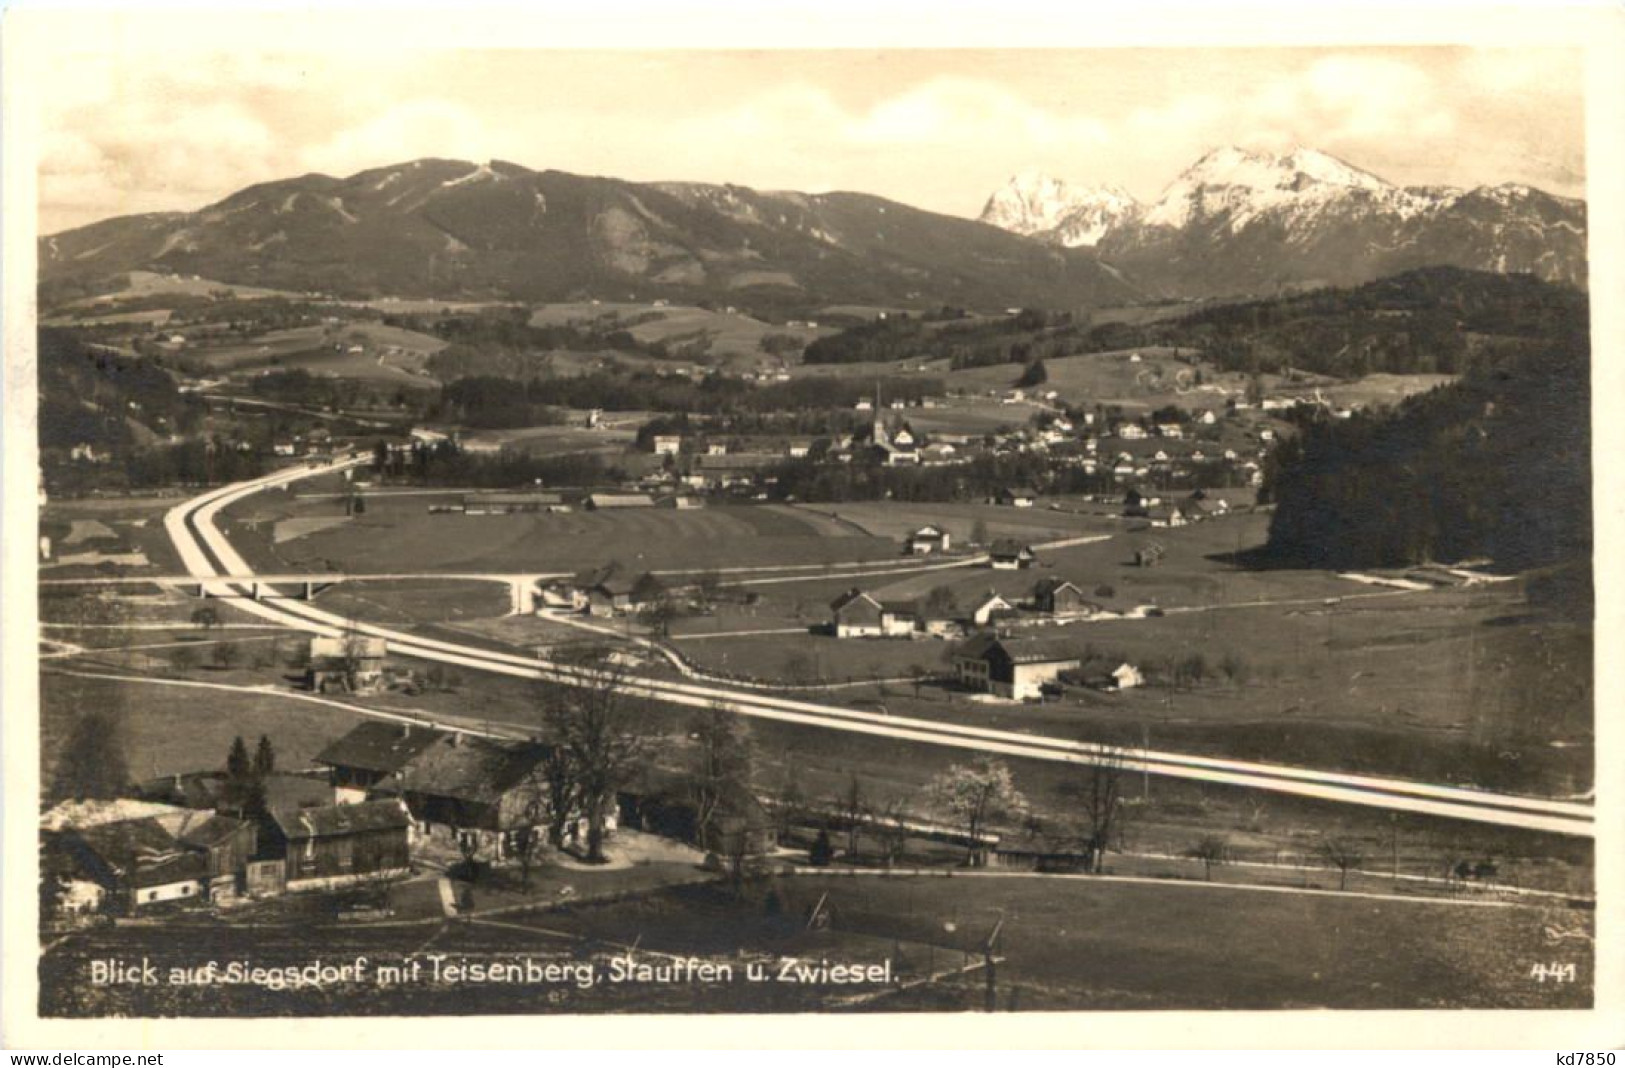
column 1497, row 465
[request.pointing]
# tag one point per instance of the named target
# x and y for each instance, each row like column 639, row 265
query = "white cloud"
column 158, row 131
column 410, row 130
column 964, row 111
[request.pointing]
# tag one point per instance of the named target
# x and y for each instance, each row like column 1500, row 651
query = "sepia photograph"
column 523, row 529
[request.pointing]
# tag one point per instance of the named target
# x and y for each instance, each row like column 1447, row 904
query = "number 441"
column 1553, row 973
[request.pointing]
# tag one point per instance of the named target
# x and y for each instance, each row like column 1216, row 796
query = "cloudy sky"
column 151, row 130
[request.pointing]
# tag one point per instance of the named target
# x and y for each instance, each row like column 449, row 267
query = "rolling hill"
column 450, row 229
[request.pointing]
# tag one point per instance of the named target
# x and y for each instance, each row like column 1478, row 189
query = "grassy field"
column 312, row 348
column 1117, row 378
column 169, row 730
column 1072, row 944
column 969, row 415
column 802, row 658
column 415, row 602
column 899, row 519
column 398, row 534
column 1382, row 389
column 136, row 522
column 149, row 283
column 611, row 437
column 733, row 339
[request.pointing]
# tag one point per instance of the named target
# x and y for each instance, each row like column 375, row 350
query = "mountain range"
column 446, row 228
column 1235, row 223
column 1239, row 221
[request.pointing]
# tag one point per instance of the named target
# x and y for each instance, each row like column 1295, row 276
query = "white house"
column 927, row 540
column 1016, row 669
column 1126, row 676
column 990, row 607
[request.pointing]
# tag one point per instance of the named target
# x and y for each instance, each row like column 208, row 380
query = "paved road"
column 208, row 555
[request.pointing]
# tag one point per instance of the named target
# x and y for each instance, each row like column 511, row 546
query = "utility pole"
column 990, row 967
column 1393, row 844
column 1145, row 762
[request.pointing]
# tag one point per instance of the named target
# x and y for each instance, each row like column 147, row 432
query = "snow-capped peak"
column 1036, row 203
column 1247, row 183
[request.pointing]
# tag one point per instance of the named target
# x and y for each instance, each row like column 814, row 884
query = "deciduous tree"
column 598, row 723
column 722, row 768
column 1344, row 854
column 1210, row 849
column 975, row 793
column 92, row 764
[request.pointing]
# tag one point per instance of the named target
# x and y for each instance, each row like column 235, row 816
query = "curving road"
column 210, row 557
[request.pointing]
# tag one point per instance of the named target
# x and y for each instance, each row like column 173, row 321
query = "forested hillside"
column 1431, row 321
column 1496, row 465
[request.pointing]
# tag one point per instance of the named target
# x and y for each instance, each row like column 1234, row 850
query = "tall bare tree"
column 722, row 768
column 355, row 654
column 1097, row 793
column 1344, row 854
column 598, row 724
column 891, row 829
column 852, row 806
column 790, row 801
column 539, row 817
column 1210, row 849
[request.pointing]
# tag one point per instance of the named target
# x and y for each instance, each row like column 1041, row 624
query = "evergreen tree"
column 239, row 767
column 1035, row 374
column 822, row 852
column 92, row 764
column 264, row 758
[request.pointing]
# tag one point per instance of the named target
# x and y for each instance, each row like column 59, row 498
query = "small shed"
column 353, row 663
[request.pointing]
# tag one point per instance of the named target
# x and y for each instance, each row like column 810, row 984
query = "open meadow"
column 727, row 339
column 1063, row 943
column 398, row 534
column 387, row 356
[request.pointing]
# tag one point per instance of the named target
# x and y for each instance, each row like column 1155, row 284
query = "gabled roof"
column 900, row 608
column 375, row 745
column 929, row 531
column 336, row 821
column 1020, row 650
column 1009, row 547
column 1040, row 650
column 851, row 597
column 977, row 647
column 141, row 852
column 1021, row 491
column 467, row 768
column 201, row 831
column 1049, row 586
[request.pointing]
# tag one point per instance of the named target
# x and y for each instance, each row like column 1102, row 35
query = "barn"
column 1013, row 668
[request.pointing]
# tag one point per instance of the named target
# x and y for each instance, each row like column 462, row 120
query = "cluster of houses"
column 1022, row 669
column 385, row 792
column 1161, row 512
column 606, row 591
column 997, row 658
column 535, row 502
column 123, row 857
column 860, row 614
